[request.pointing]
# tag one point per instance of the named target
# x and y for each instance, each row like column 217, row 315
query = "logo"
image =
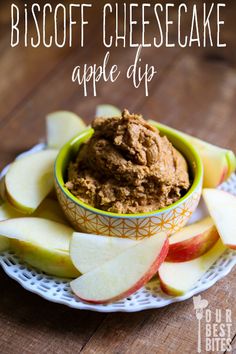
column 214, row 327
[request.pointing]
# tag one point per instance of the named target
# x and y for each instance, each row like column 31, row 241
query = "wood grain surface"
column 195, row 91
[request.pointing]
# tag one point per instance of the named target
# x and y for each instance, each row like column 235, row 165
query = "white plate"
column 149, row 297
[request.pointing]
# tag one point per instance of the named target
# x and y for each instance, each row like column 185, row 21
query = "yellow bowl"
column 171, row 219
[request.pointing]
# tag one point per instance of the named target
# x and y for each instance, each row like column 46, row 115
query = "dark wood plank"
column 23, row 69
column 233, row 345
column 198, row 97
column 30, row 324
column 45, row 98
column 195, row 92
column 67, row 96
column 171, row 330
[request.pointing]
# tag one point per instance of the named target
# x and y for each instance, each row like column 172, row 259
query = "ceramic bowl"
column 87, row 219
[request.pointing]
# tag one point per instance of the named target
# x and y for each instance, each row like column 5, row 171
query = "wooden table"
column 195, row 91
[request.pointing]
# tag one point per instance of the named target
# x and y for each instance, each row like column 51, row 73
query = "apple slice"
column 222, row 208
column 124, row 274
column 90, row 251
column 177, row 278
column 192, row 241
column 30, row 179
column 48, row 209
column 4, row 244
column 42, row 243
column 218, row 163
column 2, row 189
column 51, row 210
column 107, row 111
column 8, row 212
column 61, row 127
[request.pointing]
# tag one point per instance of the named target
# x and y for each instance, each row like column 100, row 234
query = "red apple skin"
column 192, row 248
column 232, row 247
column 149, row 274
column 224, row 175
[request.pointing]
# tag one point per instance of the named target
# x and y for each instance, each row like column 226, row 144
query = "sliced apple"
column 48, row 209
column 2, row 189
column 222, row 208
column 107, row 111
column 218, row 163
column 90, row 251
column 4, row 244
column 177, row 278
column 30, row 179
column 124, row 274
column 51, row 210
column 61, row 127
column 192, row 241
column 42, row 243
column 9, row 212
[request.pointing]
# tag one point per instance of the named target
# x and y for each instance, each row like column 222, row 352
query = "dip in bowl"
column 115, row 220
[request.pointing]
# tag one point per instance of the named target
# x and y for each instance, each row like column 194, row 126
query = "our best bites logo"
column 213, row 326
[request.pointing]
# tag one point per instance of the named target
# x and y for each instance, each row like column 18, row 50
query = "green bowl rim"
column 164, row 130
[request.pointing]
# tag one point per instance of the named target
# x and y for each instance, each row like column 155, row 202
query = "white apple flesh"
column 124, row 274
column 42, row 243
column 222, row 208
column 30, row 179
column 9, row 212
column 50, row 209
column 178, row 278
column 107, row 111
column 61, row 127
column 192, row 241
column 89, row 251
column 4, row 244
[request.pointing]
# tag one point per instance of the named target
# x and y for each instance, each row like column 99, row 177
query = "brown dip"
column 127, row 167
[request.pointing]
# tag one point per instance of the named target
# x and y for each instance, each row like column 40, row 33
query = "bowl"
column 171, row 219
